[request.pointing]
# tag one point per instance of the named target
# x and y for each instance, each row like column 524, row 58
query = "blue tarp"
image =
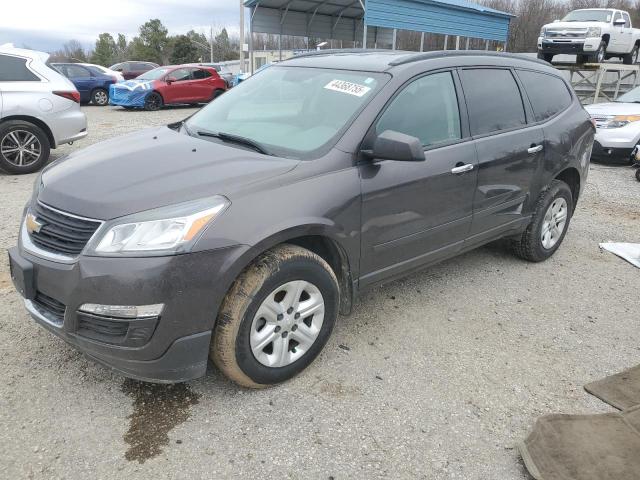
column 131, row 93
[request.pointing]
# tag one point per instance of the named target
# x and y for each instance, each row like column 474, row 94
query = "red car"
column 168, row 85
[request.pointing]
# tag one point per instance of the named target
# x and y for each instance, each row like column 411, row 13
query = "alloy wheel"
column 287, row 323
column 554, row 223
column 101, row 97
column 20, row 148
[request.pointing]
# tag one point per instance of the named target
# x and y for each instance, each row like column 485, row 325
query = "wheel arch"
column 571, row 177
column 605, row 39
column 36, row 121
column 315, row 238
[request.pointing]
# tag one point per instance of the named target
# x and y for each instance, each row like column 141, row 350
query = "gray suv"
column 241, row 233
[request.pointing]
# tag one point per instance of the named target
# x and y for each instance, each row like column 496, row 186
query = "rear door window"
column 493, row 100
column 548, row 94
column 75, row 71
column 14, row 69
column 199, row 74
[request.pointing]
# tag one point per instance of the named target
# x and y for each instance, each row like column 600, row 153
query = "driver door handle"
column 462, row 168
column 535, row 149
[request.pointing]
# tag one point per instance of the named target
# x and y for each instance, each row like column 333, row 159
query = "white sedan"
column 617, row 127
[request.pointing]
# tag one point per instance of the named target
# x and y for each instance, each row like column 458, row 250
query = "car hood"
column 135, row 85
column 149, row 169
column 613, row 108
column 573, row 25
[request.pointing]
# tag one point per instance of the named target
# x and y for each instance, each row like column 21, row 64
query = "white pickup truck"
column 593, row 34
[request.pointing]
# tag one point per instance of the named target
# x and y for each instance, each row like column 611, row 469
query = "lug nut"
column 284, row 334
column 296, row 316
column 277, row 329
column 289, row 310
column 294, row 328
column 280, row 316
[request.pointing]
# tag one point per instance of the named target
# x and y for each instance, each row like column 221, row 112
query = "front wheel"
column 638, row 174
column 153, row 102
column 601, row 53
column 548, row 225
column 24, row 147
column 547, row 57
column 276, row 318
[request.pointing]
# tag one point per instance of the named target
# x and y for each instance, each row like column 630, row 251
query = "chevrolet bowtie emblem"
column 33, row 225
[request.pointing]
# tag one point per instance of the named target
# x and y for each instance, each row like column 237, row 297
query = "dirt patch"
column 157, row 409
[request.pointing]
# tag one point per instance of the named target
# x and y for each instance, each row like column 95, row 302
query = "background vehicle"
column 272, row 207
column 133, row 69
column 241, row 77
column 168, row 85
column 222, row 70
column 617, row 127
column 593, row 34
column 39, row 110
column 118, row 75
column 92, row 83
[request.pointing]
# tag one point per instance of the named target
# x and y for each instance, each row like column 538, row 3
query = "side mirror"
column 392, row 145
column 170, row 80
column 619, row 22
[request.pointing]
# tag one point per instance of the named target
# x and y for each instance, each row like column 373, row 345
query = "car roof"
column 8, row 48
column 388, row 60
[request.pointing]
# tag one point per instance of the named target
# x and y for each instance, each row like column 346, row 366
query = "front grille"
column 61, row 233
column 50, row 307
column 569, row 33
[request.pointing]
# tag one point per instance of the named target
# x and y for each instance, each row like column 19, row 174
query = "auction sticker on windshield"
column 347, row 87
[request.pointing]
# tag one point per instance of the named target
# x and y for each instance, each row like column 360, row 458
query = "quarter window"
column 74, row 71
column 548, row 94
column 14, row 69
column 426, row 109
column 493, row 99
column 199, row 74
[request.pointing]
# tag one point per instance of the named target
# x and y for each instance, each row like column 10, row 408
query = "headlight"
column 594, row 32
column 162, row 231
column 620, row 121
column 543, row 31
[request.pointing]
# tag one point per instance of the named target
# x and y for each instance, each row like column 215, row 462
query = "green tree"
column 122, row 48
column 74, row 51
column 106, row 50
column 152, row 43
column 184, row 51
column 201, row 42
column 222, row 46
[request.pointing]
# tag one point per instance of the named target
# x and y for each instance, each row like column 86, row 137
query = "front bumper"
column 175, row 347
column 617, row 155
column 569, row 46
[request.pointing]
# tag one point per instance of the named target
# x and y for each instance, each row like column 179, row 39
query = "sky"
column 47, row 24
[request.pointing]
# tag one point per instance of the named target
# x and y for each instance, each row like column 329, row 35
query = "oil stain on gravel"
column 157, row 409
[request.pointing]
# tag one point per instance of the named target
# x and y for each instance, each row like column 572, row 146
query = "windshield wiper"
column 228, row 137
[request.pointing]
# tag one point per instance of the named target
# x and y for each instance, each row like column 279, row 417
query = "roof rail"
column 336, row 51
column 418, row 56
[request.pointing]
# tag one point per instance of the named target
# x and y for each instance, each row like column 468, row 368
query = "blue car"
column 92, row 82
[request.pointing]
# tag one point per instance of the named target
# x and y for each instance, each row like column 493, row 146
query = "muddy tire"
column 548, row 226
column 276, row 318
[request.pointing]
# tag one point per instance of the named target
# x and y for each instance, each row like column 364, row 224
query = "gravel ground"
column 436, row 376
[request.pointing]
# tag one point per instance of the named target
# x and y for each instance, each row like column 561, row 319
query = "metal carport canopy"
column 346, row 19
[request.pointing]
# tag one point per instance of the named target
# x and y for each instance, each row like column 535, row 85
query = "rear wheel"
column 632, row 57
column 548, row 225
column 100, row 97
column 638, row 174
column 276, row 318
column 153, row 102
column 216, row 94
column 24, row 147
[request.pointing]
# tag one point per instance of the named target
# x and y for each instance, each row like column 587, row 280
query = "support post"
column 364, row 34
column 466, row 47
column 446, row 39
column 253, row 11
column 457, row 42
column 422, row 42
column 241, row 36
column 486, row 45
column 395, row 34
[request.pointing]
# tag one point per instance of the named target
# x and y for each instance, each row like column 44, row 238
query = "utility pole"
column 211, row 42
column 241, row 36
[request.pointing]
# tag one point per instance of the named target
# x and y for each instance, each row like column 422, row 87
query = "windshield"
column 588, row 16
column 632, row 96
column 154, row 74
column 292, row 111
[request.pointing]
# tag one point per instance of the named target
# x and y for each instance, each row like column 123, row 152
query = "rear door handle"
column 462, row 168
column 535, row 149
